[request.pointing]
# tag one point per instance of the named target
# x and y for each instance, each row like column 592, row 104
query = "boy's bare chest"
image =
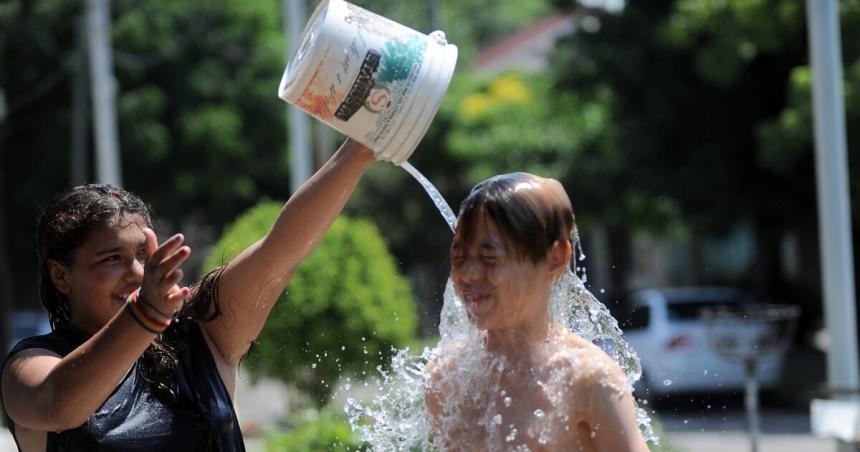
column 516, row 414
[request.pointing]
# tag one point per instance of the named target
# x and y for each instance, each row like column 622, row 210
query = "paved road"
column 717, row 423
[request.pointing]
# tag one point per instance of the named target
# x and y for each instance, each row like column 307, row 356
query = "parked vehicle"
column 28, row 323
column 667, row 330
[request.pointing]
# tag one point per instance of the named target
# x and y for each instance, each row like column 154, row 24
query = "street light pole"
column 80, row 110
column 103, row 92
column 301, row 164
column 834, row 207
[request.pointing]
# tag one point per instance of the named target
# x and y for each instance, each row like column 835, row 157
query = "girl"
column 136, row 362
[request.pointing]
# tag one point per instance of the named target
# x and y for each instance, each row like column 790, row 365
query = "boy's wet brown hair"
column 531, row 212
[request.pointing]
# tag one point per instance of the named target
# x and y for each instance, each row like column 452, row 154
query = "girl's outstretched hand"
column 161, row 274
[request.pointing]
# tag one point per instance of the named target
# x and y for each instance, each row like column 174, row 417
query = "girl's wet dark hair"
column 530, row 218
column 67, row 222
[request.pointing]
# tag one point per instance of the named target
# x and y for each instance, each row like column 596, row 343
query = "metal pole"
column 751, row 402
column 433, row 14
column 80, row 108
column 834, row 209
column 301, row 161
column 103, row 92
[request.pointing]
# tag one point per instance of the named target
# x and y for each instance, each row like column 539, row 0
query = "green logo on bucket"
column 399, row 57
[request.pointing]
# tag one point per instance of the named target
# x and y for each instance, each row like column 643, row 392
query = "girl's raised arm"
column 251, row 282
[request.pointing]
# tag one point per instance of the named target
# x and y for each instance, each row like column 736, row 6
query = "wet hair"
column 67, row 222
column 530, row 217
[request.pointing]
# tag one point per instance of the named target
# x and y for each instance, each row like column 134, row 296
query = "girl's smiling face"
column 104, row 270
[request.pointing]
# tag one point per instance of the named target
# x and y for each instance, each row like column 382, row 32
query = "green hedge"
column 314, row 432
column 346, row 306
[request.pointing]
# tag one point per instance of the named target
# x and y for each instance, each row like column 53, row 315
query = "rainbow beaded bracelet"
column 133, row 304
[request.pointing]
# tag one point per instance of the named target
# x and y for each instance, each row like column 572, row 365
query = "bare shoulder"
column 440, row 364
column 444, row 356
column 22, row 375
column 586, row 365
column 29, row 364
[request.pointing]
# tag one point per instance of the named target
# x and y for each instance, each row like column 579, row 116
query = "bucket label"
column 360, row 91
column 313, row 99
column 401, row 64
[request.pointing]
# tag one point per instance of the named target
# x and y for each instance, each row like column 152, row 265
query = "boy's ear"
column 59, row 276
column 559, row 257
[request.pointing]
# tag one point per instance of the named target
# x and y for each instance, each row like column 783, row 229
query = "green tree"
column 710, row 110
column 202, row 132
column 345, row 307
column 198, row 107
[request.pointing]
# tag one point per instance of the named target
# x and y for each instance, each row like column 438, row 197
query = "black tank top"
column 198, row 417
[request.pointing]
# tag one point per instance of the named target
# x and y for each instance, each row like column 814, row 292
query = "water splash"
column 397, row 419
column 435, row 196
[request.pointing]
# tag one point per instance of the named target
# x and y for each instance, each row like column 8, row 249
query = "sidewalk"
column 739, row 441
column 718, row 423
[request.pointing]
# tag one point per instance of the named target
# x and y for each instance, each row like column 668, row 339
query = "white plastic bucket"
column 370, row 78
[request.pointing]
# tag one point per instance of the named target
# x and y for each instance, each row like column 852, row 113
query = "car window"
column 694, row 310
column 637, row 319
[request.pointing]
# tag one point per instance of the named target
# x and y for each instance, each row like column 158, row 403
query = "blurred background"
column 682, row 131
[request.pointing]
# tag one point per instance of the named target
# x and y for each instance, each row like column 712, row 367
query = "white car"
column 666, row 328
column 28, row 323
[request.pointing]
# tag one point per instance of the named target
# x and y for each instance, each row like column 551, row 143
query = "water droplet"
column 497, row 419
column 512, row 435
column 507, row 401
column 539, row 413
column 686, row 421
column 706, row 372
column 667, row 382
column 314, row 366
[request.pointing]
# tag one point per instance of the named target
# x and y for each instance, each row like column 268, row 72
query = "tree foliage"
column 201, row 129
column 313, row 431
column 345, row 307
column 710, row 107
